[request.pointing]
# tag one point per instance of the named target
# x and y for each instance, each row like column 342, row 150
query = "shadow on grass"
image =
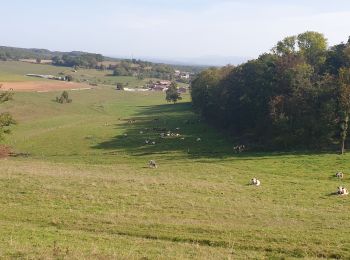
column 152, row 121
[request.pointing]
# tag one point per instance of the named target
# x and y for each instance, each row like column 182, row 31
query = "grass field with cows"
column 81, row 187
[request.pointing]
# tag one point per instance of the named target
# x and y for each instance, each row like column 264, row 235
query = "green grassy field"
column 15, row 71
column 86, row 190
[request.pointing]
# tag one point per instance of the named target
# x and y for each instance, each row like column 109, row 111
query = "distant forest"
column 14, row 53
column 296, row 96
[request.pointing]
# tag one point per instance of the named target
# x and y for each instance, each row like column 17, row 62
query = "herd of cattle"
column 341, row 190
column 163, row 132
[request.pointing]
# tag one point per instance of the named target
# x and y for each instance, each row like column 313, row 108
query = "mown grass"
column 85, row 191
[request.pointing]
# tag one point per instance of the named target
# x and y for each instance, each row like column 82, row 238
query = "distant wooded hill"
column 81, row 59
column 15, row 53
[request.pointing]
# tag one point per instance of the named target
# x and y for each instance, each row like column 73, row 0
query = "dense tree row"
column 143, row 69
column 86, row 60
column 298, row 95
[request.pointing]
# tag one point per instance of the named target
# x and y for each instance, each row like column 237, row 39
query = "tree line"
column 143, row 69
column 295, row 96
column 14, row 53
column 86, row 60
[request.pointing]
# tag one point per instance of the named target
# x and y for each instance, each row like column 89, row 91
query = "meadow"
column 15, row 71
column 84, row 189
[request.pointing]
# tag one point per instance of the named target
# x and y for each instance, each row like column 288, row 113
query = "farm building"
column 160, row 85
column 159, row 88
column 182, row 90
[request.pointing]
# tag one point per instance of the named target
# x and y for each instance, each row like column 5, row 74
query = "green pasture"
column 81, row 188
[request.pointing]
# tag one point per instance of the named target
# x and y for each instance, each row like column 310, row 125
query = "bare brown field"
column 43, row 86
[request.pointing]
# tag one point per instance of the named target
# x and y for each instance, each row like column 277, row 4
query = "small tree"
column 38, row 60
column 6, row 119
column 64, row 98
column 120, row 86
column 69, row 78
column 172, row 94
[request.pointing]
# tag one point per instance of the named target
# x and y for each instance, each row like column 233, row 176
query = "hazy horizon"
column 180, row 30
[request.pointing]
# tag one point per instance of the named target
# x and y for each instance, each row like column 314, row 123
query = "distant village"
column 159, row 85
column 163, row 85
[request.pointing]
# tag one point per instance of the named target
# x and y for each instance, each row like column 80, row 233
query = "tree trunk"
column 342, row 146
column 344, row 133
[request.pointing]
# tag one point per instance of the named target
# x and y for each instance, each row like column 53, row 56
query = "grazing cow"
column 339, row 175
column 255, row 182
column 147, row 141
column 153, row 143
column 342, row 191
column 177, row 128
column 239, row 148
column 125, row 135
column 153, row 164
column 141, row 132
column 198, row 139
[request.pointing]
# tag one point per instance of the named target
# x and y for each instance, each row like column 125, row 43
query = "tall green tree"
column 172, row 94
column 287, row 46
column 313, row 47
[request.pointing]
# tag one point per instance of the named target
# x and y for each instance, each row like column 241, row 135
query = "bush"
column 120, row 86
column 64, row 98
column 69, row 78
column 172, row 94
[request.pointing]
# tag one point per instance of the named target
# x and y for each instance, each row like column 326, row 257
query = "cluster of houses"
column 163, row 85
column 182, row 74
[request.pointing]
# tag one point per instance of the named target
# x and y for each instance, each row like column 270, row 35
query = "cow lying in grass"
column 339, row 175
column 152, row 164
column 255, row 182
column 342, row 191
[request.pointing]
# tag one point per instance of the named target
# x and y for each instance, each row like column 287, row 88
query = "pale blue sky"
column 168, row 29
